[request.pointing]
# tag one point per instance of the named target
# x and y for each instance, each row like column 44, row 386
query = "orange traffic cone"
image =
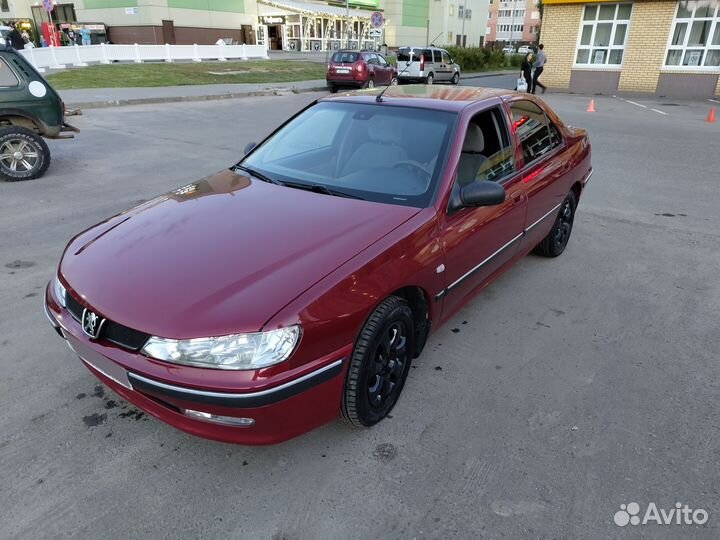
column 591, row 107
column 711, row 116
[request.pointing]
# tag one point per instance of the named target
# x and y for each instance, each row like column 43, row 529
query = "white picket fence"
column 80, row 56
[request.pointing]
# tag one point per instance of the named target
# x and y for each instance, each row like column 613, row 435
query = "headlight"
column 59, row 291
column 238, row 351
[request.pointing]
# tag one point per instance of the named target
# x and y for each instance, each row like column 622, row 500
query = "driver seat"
column 381, row 148
column 472, row 156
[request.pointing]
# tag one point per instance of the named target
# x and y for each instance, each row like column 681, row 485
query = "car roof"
column 448, row 98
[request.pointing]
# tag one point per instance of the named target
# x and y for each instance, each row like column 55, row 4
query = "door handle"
column 516, row 197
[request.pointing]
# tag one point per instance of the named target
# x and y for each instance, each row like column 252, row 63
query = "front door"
column 168, row 28
column 478, row 241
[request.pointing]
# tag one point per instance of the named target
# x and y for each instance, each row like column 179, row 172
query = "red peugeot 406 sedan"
column 298, row 285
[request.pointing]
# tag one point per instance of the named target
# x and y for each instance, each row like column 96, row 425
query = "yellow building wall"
column 560, row 26
column 646, row 44
column 717, row 88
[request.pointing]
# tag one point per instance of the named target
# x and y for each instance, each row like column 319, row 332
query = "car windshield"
column 372, row 151
column 347, row 57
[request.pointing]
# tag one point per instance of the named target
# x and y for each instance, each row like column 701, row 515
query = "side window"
column 487, row 153
column 428, row 55
column 437, row 56
column 531, row 126
column 445, row 57
column 555, row 137
column 7, row 77
column 381, row 60
column 371, row 59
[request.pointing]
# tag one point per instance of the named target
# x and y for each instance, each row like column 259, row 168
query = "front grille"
column 111, row 331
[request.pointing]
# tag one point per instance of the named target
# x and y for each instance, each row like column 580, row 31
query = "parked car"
column 30, row 109
column 426, row 64
column 508, row 49
column 298, row 285
column 524, row 49
column 360, row 69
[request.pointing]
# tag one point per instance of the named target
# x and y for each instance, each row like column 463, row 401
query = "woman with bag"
column 525, row 80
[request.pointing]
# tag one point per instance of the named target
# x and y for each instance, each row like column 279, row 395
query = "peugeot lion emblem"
column 91, row 323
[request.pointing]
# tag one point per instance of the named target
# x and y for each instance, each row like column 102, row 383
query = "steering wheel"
column 414, row 166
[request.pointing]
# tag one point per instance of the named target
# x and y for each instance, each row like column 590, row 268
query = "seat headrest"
column 384, row 129
column 474, row 140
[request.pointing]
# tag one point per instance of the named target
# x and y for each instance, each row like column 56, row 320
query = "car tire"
column 370, row 83
column 455, row 78
column 430, row 79
column 34, row 159
column 333, row 89
column 394, row 81
column 379, row 363
column 556, row 240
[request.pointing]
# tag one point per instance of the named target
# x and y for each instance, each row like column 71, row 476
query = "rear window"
column 403, row 54
column 347, row 57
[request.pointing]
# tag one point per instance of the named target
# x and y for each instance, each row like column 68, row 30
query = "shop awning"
column 310, row 8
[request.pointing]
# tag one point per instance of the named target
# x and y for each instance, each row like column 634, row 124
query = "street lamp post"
column 347, row 21
column 463, row 23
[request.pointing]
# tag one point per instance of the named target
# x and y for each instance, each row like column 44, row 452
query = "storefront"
column 310, row 26
column 660, row 47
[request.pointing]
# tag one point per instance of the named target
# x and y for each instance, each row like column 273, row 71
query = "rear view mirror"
column 249, row 148
column 482, row 194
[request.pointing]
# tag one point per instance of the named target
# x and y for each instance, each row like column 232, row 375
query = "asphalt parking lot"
column 569, row 387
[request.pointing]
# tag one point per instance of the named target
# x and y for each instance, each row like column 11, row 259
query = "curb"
column 178, row 99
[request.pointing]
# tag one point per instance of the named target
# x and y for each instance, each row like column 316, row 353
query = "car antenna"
column 378, row 98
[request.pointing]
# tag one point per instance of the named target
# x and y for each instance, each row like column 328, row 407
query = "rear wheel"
column 333, row 89
column 455, row 78
column 430, row 79
column 370, row 83
column 379, row 364
column 24, row 155
column 555, row 242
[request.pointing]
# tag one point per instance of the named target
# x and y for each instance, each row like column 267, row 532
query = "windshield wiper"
column 259, row 175
column 320, row 188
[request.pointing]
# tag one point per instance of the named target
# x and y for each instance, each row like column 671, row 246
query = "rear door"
column 544, row 166
column 386, row 68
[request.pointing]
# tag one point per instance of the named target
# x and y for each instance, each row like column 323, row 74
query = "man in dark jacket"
column 15, row 38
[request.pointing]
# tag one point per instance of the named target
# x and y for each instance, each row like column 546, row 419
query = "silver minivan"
column 426, row 64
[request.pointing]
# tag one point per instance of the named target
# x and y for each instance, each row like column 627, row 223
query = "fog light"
column 227, row 420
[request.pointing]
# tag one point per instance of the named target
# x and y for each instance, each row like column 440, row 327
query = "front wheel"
column 379, row 364
column 429, row 79
column 394, row 82
column 455, row 78
column 555, row 242
column 24, row 155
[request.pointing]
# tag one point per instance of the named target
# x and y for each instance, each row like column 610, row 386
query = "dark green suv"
column 30, row 109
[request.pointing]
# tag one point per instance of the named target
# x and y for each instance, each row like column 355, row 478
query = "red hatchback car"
column 359, row 69
column 266, row 300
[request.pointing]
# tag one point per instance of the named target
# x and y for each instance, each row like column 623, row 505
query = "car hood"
column 219, row 256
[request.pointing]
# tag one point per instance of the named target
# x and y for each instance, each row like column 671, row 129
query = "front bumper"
column 279, row 411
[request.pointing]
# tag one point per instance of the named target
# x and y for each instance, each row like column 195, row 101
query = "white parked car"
column 524, row 49
column 426, row 64
column 508, row 50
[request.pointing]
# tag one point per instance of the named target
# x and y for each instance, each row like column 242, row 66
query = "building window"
column 603, row 33
column 695, row 39
column 4, row 5
column 468, row 13
column 452, row 10
column 449, row 38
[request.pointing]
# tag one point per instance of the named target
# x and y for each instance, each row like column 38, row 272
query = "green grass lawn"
column 162, row 74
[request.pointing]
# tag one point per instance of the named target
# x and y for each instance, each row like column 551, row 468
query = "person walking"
column 539, row 65
column 15, row 37
column 526, row 71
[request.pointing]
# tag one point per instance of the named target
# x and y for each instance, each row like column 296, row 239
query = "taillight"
column 359, row 66
column 422, row 62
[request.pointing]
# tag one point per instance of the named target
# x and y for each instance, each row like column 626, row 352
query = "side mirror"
column 482, row 194
column 249, row 148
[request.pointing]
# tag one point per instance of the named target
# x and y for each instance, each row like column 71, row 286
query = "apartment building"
column 515, row 22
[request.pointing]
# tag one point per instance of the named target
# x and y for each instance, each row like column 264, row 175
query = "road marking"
column 714, row 100
column 660, row 112
column 638, row 104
